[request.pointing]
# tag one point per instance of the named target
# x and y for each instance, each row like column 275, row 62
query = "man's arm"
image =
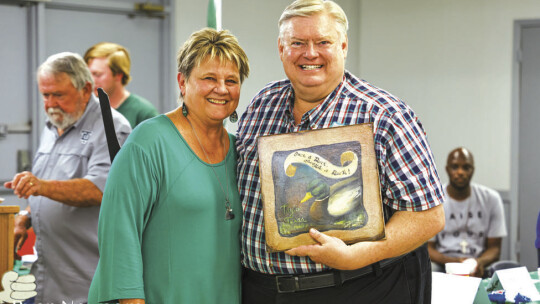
column 490, row 255
column 20, row 231
column 78, row 192
column 405, row 231
column 440, row 258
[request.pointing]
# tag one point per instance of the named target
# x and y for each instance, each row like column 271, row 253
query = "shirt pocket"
column 61, row 166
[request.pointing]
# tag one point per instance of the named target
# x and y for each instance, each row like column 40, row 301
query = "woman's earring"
column 234, row 117
column 184, row 110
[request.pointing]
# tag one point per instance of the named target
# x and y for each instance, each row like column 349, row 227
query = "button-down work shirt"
column 407, row 173
column 66, row 236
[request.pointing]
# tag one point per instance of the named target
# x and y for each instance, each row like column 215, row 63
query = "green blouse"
column 162, row 231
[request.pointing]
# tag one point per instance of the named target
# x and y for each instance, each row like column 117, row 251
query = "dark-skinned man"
column 474, row 218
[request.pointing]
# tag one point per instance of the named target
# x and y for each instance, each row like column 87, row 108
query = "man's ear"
column 447, row 170
column 345, row 46
column 280, row 48
column 87, row 89
column 119, row 77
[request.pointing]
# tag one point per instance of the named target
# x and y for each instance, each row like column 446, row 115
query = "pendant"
column 464, row 247
column 229, row 215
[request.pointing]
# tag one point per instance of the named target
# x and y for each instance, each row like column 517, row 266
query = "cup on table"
column 458, row 269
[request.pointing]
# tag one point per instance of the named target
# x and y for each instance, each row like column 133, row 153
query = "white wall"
column 254, row 23
column 452, row 62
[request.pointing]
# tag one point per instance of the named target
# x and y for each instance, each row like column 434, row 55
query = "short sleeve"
column 99, row 161
column 497, row 223
column 409, row 177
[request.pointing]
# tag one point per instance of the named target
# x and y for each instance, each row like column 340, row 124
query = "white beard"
column 61, row 119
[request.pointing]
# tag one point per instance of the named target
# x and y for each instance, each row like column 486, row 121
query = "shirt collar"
column 289, row 102
column 314, row 116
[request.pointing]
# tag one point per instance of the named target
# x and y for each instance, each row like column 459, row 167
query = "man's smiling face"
column 313, row 54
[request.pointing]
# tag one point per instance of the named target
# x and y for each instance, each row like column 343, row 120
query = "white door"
column 76, row 31
column 31, row 33
column 16, row 100
column 529, row 144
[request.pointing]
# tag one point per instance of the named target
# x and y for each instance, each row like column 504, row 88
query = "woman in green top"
column 170, row 216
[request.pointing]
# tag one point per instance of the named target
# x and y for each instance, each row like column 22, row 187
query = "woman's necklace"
column 229, row 215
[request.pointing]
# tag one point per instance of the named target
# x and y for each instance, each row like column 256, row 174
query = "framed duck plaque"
column 325, row 179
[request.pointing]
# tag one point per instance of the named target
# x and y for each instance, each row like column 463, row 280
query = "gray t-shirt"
column 470, row 222
column 66, row 236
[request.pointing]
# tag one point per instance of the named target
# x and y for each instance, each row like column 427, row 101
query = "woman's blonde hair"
column 209, row 43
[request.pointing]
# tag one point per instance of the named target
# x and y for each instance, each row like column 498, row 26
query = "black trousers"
column 405, row 282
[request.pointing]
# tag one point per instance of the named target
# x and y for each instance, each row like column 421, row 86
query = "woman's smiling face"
column 212, row 91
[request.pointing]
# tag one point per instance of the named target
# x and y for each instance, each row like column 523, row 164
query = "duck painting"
column 325, row 179
column 340, row 202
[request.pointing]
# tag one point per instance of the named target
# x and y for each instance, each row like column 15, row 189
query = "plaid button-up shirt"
column 407, row 173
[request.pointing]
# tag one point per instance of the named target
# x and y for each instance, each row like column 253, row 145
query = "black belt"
column 299, row 282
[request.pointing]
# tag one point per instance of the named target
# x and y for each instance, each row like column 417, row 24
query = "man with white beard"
column 65, row 186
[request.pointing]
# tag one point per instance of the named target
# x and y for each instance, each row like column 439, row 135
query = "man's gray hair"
column 70, row 63
column 305, row 8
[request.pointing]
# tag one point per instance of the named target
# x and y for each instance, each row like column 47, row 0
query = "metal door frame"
column 514, row 237
column 37, row 17
column 36, row 12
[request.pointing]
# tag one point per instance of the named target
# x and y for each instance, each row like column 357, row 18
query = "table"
column 486, row 282
column 7, row 218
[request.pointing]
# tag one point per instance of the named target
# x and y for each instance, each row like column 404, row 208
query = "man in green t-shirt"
column 109, row 64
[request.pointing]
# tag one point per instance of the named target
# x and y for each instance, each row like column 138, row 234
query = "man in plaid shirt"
column 320, row 93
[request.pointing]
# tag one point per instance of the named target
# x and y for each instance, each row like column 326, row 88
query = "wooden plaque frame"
column 338, row 167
